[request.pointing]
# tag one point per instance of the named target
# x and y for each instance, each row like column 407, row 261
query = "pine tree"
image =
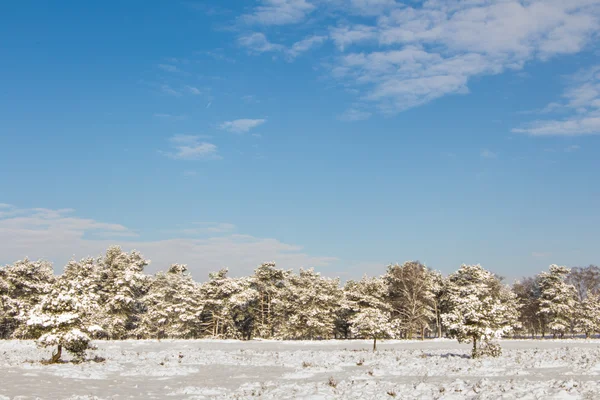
column 120, row 283
column 310, row 302
column 480, row 309
column 588, row 315
column 269, row 283
column 368, row 312
column 58, row 319
column 226, row 306
column 557, row 299
column 173, row 305
column 22, row 286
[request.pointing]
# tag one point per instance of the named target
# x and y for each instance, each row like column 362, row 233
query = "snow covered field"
column 208, row 369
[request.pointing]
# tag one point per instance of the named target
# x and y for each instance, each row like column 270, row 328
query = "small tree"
column 57, row 321
column 368, row 313
column 480, row 309
column 372, row 323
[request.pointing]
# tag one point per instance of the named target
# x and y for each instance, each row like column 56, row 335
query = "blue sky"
column 340, row 135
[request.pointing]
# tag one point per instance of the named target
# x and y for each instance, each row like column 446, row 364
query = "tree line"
column 110, row 297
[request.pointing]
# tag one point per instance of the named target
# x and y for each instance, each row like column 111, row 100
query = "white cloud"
column 569, row 127
column 345, row 35
column 279, row 12
column 572, row 148
column 57, row 235
column 581, row 100
column 258, row 43
column 190, row 147
column 485, row 153
column 193, row 90
column 304, row 45
column 241, row 125
column 428, row 51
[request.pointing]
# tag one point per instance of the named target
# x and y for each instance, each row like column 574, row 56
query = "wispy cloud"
column 402, row 55
column 572, row 148
column 59, row 235
column 258, row 43
column 279, row 12
column 241, row 125
column 191, row 147
column 193, row 90
column 581, row 101
column 304, row 45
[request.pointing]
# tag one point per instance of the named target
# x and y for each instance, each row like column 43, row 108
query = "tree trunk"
column 375, row 344
column 56, row 356
column 423, row 333
column 474, row 354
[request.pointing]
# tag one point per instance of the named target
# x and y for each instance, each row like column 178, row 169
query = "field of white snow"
column 210, row 369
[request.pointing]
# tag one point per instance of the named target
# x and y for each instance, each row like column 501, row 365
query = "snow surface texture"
column 228, row 369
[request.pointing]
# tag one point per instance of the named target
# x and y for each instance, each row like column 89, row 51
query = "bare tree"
column 586, row 280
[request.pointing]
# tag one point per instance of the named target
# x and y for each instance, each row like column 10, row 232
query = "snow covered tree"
column 310, row 303
column 58, row 319
column 81, row 276
column 226, row 312
column 242, row 306
column 588, row 315
column 368, row 313
column 373, row 323
column 120, row 284
column 480, row 308
column 437, row 289
column 410, row 293
column 269, row 283
column 22, row 286
column 557, row 299
column 173, row 305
